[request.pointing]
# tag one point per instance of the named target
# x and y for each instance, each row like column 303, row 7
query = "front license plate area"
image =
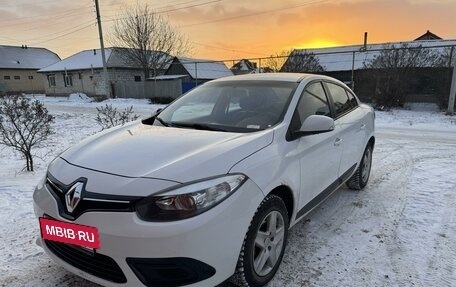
column 83, row 236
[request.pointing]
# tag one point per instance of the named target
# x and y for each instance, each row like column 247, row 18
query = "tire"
column 258, row 262
column 360, row 178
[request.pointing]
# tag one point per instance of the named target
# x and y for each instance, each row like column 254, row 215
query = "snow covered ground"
column 399, row 231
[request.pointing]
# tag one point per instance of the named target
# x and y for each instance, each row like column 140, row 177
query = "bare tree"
column 149, row 37
column 394, row 71
column 109, row 117
column 301, row 61
column 447, row 57
column 24, row 124
column 275, row 62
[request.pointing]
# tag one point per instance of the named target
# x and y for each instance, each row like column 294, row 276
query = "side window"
column 340, row 99
column 313, row 101
column 352, row 99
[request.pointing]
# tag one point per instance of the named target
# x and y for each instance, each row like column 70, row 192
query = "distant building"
column 197, row 71
column 245, row 66
column 428, row 36
column 83, row 72
column 19, row 66
column 338, row 62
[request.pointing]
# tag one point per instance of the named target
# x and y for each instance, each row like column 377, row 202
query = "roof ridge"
column 376, row 44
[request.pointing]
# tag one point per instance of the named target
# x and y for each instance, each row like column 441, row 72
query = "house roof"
column 91, row 59
column 428, row 36
column 14, row 57
column 167, row 77
column 340, row 58
column 204, row 69
column 244, row 65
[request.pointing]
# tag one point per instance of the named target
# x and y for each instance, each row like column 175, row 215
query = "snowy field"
column 399, row 231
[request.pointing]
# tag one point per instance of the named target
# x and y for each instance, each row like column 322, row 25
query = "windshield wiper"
column 162, row 121
column 197, row 126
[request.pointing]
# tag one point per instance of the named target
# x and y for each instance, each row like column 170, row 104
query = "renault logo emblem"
column 74, row 196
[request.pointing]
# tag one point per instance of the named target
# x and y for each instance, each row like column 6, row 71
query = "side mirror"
column 315, row 124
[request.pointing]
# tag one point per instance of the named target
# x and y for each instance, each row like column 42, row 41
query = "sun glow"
column 318, row 43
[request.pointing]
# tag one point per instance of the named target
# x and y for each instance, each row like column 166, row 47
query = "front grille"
column 96, row 264
column 90, row 201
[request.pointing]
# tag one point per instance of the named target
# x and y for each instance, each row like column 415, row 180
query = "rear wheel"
column 361, row 177
column 264, row 244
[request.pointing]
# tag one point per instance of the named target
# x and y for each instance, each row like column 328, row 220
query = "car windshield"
column 232, row 106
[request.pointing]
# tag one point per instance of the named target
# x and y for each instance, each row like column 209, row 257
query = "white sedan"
column 206, row 189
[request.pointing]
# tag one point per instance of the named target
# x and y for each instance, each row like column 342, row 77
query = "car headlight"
column 188, row 200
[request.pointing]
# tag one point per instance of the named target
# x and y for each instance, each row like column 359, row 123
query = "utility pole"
column 103, row 56
column 450, row 110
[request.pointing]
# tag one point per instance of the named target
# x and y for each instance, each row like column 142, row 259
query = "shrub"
column 109, row 117
column 24, row 124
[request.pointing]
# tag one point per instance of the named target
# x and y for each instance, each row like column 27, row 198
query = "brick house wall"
column 89, row 81
column 15, row 81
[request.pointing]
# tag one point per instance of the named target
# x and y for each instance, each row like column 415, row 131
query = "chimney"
column 94, row 51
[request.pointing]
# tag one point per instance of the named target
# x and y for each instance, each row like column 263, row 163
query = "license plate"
column 80, row 235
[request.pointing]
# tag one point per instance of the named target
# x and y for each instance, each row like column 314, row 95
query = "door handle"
column 363, row 126
column 337, row 142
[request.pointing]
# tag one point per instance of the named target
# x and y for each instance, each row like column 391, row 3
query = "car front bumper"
column 194, row 245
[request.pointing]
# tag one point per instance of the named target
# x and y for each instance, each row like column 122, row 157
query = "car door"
column 349, row 121
column 319, row 154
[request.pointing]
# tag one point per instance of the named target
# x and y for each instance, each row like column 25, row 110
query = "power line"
column 62, row 31
column 57, row 21
column 253, row 14
column 157, row 9
column 61, row 14
column 170, row 10
column 66, row 34
column 225, row 49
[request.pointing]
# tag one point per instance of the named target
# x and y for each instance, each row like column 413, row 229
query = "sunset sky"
column 229, row 29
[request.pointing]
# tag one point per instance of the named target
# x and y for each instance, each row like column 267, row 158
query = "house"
column 245, row 66
column 197, row 71
column 346, row 63
column 83, row 72
column 428, row 36
column 19, row 66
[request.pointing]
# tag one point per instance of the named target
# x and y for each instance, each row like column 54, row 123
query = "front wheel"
column 360, row 178
column 264, row 243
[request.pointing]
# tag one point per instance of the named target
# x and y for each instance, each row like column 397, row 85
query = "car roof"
column 284, row 77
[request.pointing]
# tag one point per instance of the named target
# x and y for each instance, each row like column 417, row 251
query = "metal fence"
column 149, row 89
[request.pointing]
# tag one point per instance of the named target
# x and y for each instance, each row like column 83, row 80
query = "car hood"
column 178, row 154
